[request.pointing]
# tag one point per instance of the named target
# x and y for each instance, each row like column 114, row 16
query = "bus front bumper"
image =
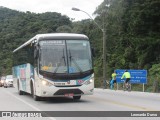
column 53, row 91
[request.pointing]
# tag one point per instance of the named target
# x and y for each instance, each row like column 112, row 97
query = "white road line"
column 35, row 108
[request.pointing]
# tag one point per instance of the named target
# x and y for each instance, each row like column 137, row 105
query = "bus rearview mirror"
column 36, row 53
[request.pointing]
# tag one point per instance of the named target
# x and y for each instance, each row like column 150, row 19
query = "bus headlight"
column 46, row 83
column 89, row 81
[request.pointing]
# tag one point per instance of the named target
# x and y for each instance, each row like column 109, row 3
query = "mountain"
column 18, row 27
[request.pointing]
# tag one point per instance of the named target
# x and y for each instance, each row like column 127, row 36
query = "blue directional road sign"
column 137, row 76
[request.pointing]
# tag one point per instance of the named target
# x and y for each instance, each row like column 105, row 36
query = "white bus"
column 54, row 65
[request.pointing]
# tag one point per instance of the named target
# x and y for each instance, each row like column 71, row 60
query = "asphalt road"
column 102, row 100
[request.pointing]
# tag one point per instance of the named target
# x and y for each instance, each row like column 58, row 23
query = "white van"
column 9, row 81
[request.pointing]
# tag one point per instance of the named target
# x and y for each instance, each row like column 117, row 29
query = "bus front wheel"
column 19, row 91
column 36, row 98
column 76, row 97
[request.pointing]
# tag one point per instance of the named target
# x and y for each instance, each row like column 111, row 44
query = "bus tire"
column 76, row 97
column 36, row 98
column 19, row 91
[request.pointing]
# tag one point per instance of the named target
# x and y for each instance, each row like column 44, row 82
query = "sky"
column 61, row 6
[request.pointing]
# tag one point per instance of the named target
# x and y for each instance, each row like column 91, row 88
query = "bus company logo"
column 6, row 114
column 80, row 81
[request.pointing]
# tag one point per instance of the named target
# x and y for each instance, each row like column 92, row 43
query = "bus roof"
column 56, row 36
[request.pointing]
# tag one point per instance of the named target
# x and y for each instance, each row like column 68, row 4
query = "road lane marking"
column 124, row 104
column 35, row 108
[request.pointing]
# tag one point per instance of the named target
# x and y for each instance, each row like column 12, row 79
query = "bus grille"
column 67, row 91
column 70, row 86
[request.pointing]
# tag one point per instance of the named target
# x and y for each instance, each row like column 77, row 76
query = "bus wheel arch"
column 35, row 97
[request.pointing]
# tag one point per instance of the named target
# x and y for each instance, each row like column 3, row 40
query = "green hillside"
column 17, row 27
column 132, row 30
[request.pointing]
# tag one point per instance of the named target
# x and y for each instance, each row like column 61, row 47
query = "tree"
column 64, row 29
column 18, row 27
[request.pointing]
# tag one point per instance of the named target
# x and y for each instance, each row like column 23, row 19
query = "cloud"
column 61, row 6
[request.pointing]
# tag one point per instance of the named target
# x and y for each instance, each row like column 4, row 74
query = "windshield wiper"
column 63, row 58
column 72, row 59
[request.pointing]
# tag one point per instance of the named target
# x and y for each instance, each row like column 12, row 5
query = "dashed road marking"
column 35, row 108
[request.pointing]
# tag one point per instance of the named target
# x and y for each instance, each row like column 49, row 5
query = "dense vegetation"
column 133, row 37
column 18, row 27
column 132, row 29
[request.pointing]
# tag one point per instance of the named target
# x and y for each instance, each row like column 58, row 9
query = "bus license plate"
column 69, row 94
column 59, row 84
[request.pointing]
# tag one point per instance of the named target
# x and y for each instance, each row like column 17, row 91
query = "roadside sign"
column 137, row 76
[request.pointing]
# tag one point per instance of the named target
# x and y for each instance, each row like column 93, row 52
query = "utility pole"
column 104, row 59
column 104, row 45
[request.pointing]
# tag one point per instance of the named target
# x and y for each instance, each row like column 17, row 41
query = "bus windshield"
column 65, row 56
